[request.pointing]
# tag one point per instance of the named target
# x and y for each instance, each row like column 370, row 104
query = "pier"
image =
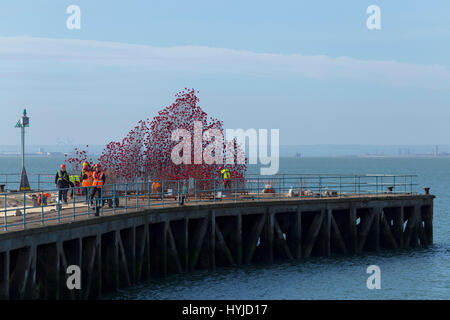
column 144, row 238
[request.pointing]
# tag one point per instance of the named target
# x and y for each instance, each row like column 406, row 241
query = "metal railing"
column 20, row 209
column 38, row 181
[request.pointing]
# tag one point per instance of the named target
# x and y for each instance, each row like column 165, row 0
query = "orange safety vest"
column 88, row 181
column 39, row 198
column 98, row 182
column 156, row 187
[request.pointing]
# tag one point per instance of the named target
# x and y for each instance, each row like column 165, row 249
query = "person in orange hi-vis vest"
column 86, row 179
column 98, row 180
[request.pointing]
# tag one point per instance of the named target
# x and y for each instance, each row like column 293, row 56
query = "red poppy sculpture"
column 146, row 151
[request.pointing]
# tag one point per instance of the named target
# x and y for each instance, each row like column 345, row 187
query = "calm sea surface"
column 412, row 274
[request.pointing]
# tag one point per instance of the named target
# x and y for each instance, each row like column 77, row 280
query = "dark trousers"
column 227, row 184
column 98, row 203
column 62, row 194
column 94, row 192
column 85, row 191
column 63, row 187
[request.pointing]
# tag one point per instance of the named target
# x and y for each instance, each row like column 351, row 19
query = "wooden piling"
column 212, row 241
column 282, row 244
column 238, row 239
column 374, row 238
column 325, row 233
column 198, row 238
column 254, row 236
column 223, row 246
column 269, row 236
column 428, row 224
column 353, row 231
column 296, row 239
column 99, row 266
column 313, row 232
column 186, row 243
column 386, row 233
column 6, row 275
column 410, row 234
column 336, row 236
column 367, row 219
column 398, row 219
column 116, row 259
column 172, row 250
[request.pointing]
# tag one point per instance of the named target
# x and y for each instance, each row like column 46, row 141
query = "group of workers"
column 91, row 178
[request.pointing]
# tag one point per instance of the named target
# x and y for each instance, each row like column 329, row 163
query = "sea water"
column 405, row 274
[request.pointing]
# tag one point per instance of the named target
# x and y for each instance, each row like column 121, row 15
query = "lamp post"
column 22, row 123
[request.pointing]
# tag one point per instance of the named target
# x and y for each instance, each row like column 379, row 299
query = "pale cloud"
column 220, row 60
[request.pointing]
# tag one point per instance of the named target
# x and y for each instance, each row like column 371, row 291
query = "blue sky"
column 309, row 68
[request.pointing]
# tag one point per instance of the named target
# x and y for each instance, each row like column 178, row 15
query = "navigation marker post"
column 22, row 123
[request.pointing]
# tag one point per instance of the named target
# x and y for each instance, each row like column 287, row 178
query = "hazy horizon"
column 322, row 150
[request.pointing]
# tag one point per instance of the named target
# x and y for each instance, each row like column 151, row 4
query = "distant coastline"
column 46, row 154
column 290, row 151
column 369, row 156
column 411, row 156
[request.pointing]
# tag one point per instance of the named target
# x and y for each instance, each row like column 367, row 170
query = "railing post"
column 88, row 199
column 195, row 189
column 39, row 182
column 340, row 186
column 148, row 194
column 359, row 185
column 114, row 199
column 381, row 184
column 73, row 198
column 24, row 210
column 59, row 208
column 257, row 188
column 137, row 195
column 235, row 190
column 394, row 185
column 126, row 196
column 320, row 187
column 42, row 208
column 6, row 214
column 214, row 190
column 405, row 184
column 279, row 188
column 101, row 201
column 376, row 185
column 162, row 193
column 301, row 188
column 178, row 191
